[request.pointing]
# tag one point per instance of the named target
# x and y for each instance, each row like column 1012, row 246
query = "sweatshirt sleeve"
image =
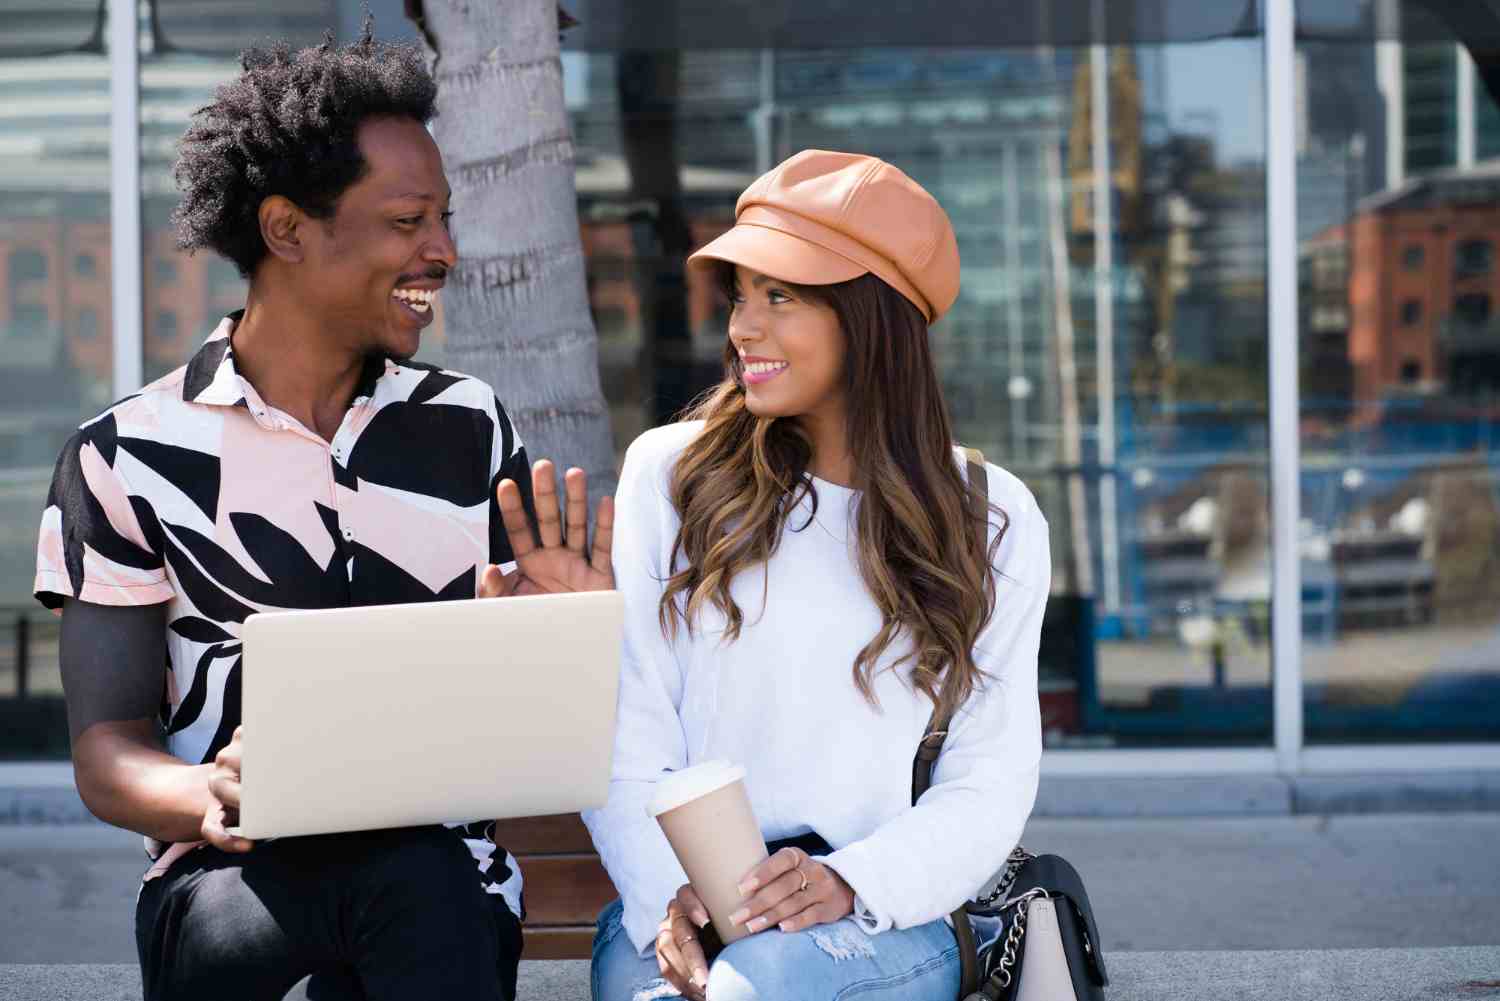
column 649, row 739
column 927, row 860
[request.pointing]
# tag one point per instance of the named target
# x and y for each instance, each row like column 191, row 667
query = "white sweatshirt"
column 781, row 700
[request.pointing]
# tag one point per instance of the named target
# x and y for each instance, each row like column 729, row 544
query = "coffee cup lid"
column 688, row 784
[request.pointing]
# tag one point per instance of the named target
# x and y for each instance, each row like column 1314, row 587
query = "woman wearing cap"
column 802, row 585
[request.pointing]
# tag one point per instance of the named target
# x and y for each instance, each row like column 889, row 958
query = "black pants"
column 393, row 915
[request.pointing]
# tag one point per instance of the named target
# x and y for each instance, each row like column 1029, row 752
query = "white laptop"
column 397, row 715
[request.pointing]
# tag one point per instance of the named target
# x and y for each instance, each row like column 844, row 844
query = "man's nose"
column 441, row 248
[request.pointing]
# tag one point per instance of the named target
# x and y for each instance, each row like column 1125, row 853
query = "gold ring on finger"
column 805, row 881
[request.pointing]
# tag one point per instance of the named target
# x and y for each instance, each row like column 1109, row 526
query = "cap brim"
column 778, row 254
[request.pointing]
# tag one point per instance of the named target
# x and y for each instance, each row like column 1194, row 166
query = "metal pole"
column 765, row 114
column 1463, row 68
column 1104, row 320
column 1014, row 321
column 23, row 655
column 125, row 195
column 1281, row 228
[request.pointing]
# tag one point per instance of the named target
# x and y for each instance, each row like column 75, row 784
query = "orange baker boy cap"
column 821, row 217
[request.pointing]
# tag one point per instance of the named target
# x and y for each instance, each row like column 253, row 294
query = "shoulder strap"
column 931, row 744
column 937, row 728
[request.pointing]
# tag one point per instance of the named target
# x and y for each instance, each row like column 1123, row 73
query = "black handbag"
column 1043, row 892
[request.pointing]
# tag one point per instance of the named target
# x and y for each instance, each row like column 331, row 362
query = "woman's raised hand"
column 561, row 563
column 679, row 952
column 792, row 892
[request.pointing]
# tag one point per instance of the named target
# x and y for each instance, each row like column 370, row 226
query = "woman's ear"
column 280, row 220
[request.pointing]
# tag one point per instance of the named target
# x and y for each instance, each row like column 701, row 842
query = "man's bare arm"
column 113, row 670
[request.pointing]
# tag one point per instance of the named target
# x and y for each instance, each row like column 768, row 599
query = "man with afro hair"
column 299, row 460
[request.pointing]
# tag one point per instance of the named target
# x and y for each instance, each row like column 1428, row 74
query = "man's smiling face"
column 373, row 269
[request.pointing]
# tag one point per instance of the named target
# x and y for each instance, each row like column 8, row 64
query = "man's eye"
column 410, row 220
column 776, row 295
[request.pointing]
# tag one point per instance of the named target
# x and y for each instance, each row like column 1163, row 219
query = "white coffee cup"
column 705, row 813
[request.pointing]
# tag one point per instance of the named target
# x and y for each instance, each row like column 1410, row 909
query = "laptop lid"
column 397, row 715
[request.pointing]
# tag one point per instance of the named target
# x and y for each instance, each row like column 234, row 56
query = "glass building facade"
column 1114, row 343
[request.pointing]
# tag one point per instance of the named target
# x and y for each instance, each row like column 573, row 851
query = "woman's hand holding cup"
column 679, row 950
column 792, row 892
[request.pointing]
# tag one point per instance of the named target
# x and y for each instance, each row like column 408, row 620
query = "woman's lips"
column 763, row 371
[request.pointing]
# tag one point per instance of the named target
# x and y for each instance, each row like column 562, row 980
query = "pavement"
column 1234, row 888
column 1453, row 974
column 1207, row 897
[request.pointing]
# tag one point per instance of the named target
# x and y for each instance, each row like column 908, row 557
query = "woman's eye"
column 777, row 295
column 410, row 220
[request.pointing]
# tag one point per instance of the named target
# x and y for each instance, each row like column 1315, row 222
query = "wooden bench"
column 566, row 886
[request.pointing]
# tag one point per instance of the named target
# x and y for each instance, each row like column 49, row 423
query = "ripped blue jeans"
column 824, row 963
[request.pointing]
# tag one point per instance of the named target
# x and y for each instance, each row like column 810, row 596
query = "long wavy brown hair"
column 736, row 485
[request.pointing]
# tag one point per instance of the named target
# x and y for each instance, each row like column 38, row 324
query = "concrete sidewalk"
column 1454, row 974
column 67, row 893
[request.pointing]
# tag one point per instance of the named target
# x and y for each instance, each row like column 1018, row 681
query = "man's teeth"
column 419, row 300
column 765, row 367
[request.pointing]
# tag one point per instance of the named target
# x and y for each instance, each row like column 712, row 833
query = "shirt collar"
column 212, row 379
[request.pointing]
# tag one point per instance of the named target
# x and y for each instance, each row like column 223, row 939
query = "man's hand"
column 679, row 953
column 555, row 566
column 224, row 786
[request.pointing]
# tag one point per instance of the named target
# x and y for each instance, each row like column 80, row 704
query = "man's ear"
column 281, row 222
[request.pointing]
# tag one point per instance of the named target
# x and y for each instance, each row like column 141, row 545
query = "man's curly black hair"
column 288, row 125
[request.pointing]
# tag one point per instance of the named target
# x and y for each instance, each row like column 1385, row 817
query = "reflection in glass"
column 1401, row 369
column 55, row 360
column 1153, row 478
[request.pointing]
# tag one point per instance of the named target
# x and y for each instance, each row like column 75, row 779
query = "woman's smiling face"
column 791, row 348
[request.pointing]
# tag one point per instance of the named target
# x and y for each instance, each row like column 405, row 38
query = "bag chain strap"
column 1018, row 857
column 1002, row 975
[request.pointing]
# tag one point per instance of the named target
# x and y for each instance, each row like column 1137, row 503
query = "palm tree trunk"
column 517, row 312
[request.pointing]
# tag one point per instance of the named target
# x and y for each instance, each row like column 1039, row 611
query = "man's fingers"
column 575, row 483
column 544, row 493
column 225, row 788
column 604, row 536
column 491, row 582
column 215, row 834
column 513, row 514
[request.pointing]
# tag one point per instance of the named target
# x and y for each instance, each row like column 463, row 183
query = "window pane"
column 1400, row 506
column 1157, row 629
column 55, row 360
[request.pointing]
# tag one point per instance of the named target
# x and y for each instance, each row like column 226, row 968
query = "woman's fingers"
column 780, row 899
column 692, row 905
column 783, row 861
column 679, row 955
column 777, row 878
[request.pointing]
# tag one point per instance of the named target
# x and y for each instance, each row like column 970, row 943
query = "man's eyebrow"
column 421, row 196
column 760, row 280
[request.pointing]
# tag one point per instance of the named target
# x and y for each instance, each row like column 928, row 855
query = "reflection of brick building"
column 1423, row 285
column 55, row 276
column 54, row 295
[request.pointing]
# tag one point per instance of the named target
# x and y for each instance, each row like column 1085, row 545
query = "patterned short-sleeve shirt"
column 197, row 493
